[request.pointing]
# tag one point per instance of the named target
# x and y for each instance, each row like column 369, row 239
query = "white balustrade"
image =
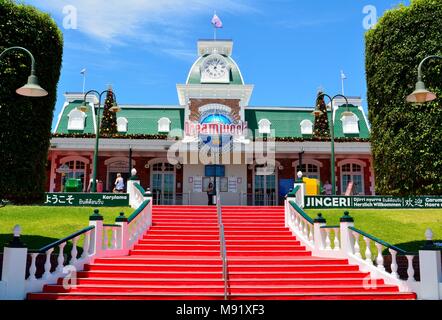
column 74, row 251
column 380, row 258
column 368, row 250
column 327, row 239
column 336, row 242
column 356, row 244
column 394, row 266
column 105, row 238
column 86, row 244
column 410, row 269
column 47, row 266
column 60, row 259
column 33, row 267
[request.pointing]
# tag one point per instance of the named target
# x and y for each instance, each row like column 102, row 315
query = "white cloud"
column 151, row 21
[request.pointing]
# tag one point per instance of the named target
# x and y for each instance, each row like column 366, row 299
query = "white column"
column 14, row 268
column 430, row 270
column 96, row 239
column 131, row 191
column 123, row 232
column 347, row 239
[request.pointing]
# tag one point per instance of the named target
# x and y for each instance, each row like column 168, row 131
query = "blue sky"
column 143, row 48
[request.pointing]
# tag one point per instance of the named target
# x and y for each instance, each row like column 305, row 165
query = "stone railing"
column 50, row 263
column 344, row 241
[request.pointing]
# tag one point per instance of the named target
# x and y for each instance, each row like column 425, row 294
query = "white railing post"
column 347, row 239
column 96, row 238
column 318, row 232
column 300, row 193
column 14, row 268
column 123, row 232
column 131, row 189
column 430, row 269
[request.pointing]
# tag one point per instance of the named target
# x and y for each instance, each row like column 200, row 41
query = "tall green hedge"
column 406, row 139
column 25, row 123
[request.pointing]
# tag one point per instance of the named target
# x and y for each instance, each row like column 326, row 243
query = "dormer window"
column 122, row 124
column 306, row 127
column 76, row 120
column 264, row 126
column 350, row 124
column 164, row 125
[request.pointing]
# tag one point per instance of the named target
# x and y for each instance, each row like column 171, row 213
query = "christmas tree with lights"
column 109, row 119
column 321, row 127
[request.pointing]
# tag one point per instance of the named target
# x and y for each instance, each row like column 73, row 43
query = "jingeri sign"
column 87, row 199
column 373, row 202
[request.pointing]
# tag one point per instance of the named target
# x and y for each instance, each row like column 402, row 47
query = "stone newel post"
column 14, row 268
column 96, row 240
column 347, row 239
column 430, row 269
column 123, row 232
column 318, row 234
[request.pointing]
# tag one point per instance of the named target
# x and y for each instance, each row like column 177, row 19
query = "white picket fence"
column 98, row 240
column 343, row 242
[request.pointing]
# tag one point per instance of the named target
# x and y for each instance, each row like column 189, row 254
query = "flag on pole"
column 83, row 71
column 343, row 76
column 216, row 21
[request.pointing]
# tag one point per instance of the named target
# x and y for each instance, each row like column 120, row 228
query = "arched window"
column 306, row 127
column 350, row 124
column 310, row 168
column 76, row 120
column 352, row 172
column 164, row 125
column 77, row 170
column 264, row 126
column 122, row 124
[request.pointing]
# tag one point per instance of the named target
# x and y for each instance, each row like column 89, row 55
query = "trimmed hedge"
column 406, row 139
column 25, row 123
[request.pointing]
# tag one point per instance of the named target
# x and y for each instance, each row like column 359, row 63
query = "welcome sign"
column 87, row 199
column 373, row 202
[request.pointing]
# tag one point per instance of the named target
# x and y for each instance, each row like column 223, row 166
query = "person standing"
column 119, row 184
column 210, row 194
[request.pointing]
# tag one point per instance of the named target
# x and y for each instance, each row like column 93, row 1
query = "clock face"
column 215, row 67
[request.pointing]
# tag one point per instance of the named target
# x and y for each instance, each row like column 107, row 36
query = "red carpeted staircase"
column 179, row 258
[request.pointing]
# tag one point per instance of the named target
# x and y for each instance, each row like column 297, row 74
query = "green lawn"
column 403, row 228
column 44, row 225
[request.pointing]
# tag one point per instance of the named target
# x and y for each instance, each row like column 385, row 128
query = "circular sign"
column 216, row 134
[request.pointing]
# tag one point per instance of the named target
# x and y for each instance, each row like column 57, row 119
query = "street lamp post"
column 421, row 94
column 31, row 88
column 332, row 135
column 84, row 108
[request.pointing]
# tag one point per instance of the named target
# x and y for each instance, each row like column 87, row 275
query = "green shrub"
column 406, row 139
column 25, row 123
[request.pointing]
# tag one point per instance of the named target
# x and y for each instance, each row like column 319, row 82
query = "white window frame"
column 352, row 173
column 122, row 124
column 164, row 125
column 307, row 162
column 264, row 126
column 306, row 126
column 350, row 124
column 77, row 120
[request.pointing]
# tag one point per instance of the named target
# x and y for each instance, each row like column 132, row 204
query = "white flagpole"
column 84, row 80
column 342, row 79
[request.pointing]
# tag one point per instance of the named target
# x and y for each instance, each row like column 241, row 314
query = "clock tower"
column 214, row 79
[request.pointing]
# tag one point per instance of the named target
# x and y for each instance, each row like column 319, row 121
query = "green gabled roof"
column 141, row 120
column 287, row 122
column 145, row 120
column 63, row 124
column 195, row 74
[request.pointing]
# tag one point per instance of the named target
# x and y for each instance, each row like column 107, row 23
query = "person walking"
column 210, row 194
column 119, row 184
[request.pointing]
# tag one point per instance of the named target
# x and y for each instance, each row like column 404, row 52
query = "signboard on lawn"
column 75, row 199
column 373, row 202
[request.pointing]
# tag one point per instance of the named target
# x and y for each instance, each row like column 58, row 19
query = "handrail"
column 222, row 245
column 330, row 227
column 112, row 225
column 138, row 211
column 301, row 212
column 385, row 244
column 58, row 242
column 140, row 188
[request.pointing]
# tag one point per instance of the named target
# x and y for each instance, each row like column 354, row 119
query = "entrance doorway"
column 265, row 191
column 163, row 183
